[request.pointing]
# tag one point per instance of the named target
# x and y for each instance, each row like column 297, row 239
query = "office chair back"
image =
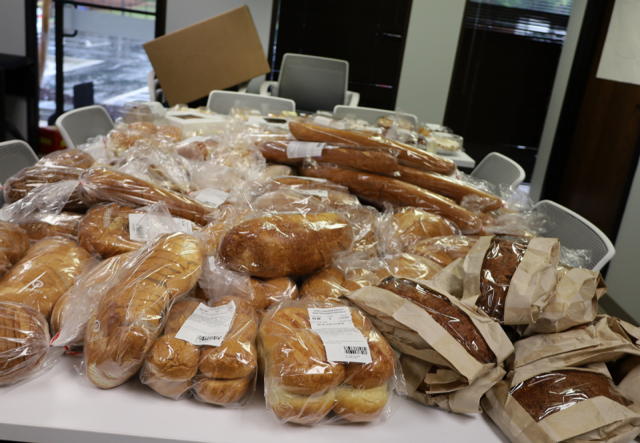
column 15, row 155
column 370, row 115
column 575, row 232
column 83, row 123
column 498, row 169
column 223, row 101
column 314, row 83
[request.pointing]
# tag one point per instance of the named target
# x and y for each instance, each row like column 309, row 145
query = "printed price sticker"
column 304, row 149
column 146, row 227
column 341, row 340
column 322, row 121
column 212, row 197
column 207, row 325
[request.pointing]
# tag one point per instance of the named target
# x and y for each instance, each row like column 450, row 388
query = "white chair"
column 15, row 155
column 370, row 115
column 80, row 124
column 499, row 169
column 575, row 232
column 314, row 83
column 222, row 102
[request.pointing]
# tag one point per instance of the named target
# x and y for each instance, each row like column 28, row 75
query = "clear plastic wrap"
column 14, row 242
column 294, row 153
column 24, row 342
column 20, row 185
column 128, row 319
column 378, row 190
column 273, row 171
column 105, row 230
column 73, row 158
column 105, row 185
column 444, row 250
column 221, row 375
column 44, row 274
column 72, row 311
column 279, row 245
column 407, row 155
column 302, row 385
column 45, row 200
column 142, row 111
column 64, row 224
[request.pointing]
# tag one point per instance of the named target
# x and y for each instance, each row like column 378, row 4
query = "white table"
column 62, row 407
column 461, row 159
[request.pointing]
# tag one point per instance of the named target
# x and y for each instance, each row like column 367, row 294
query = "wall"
column 182, row 13
column 557, row 97
column 429, row 55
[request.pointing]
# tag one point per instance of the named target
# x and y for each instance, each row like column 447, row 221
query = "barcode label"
column 341, row 340
column 212, row 197
column 145, row 227
column 355, row 350
column 207, row 325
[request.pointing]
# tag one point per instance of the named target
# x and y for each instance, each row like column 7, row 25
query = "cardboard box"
column 217, row 53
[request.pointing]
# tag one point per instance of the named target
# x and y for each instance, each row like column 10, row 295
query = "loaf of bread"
column 105, row 185
column 548, row 393
column 226, row 372
column 286, row 244
column 411, row 225
column 44, row 274
column 129, row 318
column 302, row 386
column 379, row 189
column 105, row 230
column 371, row 160
column 500, row 263
column 452, row 319
column 407, row 155
column 74, row 308
column 18, row 186
column 443, row 250
column 74, row 158
column 13, row 244
column 64, row 224
column 24, row 341
column 448, row 186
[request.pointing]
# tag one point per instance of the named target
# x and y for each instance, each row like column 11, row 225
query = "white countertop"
column 63, row 407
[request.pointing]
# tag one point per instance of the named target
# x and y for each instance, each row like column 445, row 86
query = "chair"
column 371, row 115
column 499, row 169
column 222, row 102
column 83, row 123
column 314, row 83
column 15, row 155
column 575, row 232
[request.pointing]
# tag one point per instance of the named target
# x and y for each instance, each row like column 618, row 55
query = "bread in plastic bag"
column 24, row 342
column 105, row 230
column 105, row 185
column 67, row 157
column 44, row 274
column 403, row 227
column 64, row 224
column 444, row 250
column 279, row 245
column 221, row 375
column 14, row 242
column 18, row 186
column 302, row 386
column 131, row 315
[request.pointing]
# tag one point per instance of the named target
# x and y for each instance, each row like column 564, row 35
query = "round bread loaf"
column 381, row 368
column 173, row 359
column 105, row 230
column 301, row 409
column 232, row 359
column 167, row 388
column 360, row 405
column 179, row 313
column 221, row 392
column 24, row 341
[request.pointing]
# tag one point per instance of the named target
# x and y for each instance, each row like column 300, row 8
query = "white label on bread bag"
column 207, row 325
column 341, row 340
column 304, row 149
column 212, row 197
column 315, row 192
column 322, row 121
column 146, row 227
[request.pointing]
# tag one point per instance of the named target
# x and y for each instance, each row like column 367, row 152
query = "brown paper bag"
column 595, row 419
column 532, row 283
column 410, row 329
column 574, row 302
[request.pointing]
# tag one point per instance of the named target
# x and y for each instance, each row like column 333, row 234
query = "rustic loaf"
column 105, row 230
column 13, row 244
column 64, row 224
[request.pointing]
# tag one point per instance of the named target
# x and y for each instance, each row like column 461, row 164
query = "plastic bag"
column 44, row 274
column 222, row 374
column 306, row 378
column 64, row 224
column 20, row 185
column 14, row 242
column 45, row 200
column 128, row 319
column 444, row 250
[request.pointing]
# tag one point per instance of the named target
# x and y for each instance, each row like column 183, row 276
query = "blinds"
column 543, row 20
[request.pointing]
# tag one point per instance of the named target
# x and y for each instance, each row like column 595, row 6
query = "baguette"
column 289, row 244
column 44, row 274
column 407, row 155
column 364, row 159
column 379, row 189
column 129, row 318
column 447, row 186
